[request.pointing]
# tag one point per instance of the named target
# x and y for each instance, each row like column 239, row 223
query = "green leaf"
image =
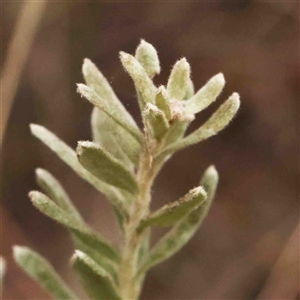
column 175, row 132
column 100, row 103
column 55, row 192
column 96, row 281
column 178, row 80
column 84, row 233
column 171, row 213
column 206, row 95
column 184, row 230
column 51, row 187
column 105, row 167
column 162, row 101
column 142, row 81
column 114, row 138
column 218, row 121
column 190, row 91
column 2, row 272
column 147, row 56
column 40, row 270
column 89, row 247
column 97, row 82
column 68, row 155
column 155, row 121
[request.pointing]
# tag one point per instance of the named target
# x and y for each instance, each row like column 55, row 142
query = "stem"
column 129, row 286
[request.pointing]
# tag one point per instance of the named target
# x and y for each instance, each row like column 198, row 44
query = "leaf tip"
column 235, row 99
column 35, row 128
column 37, row 198
column 219, row 79
column 199, row 190
column 19, row 253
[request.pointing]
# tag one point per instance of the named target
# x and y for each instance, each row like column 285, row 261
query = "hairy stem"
column 129, row 286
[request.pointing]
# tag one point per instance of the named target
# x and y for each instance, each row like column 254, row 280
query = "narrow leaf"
column 175, row 132
column 206, row 95
column 106, row 131
column 183, row 231
column 219, row 120
column 142, row 81
column 40, row 270
column 105, row 167
column 96, row 281
column 55, row 192
column 178, row 81
column 51, row 187
column 2, row 272
column 155, row 121
column 100, row 103
column 90, row 248
column 171, row 213
column 68, row 155
column 162, row 101
column 50, row 209
column 190, row 91
column 147, row 56
column 97, row 82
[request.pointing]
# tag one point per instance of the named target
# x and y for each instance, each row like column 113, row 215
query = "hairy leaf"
column 114, row 138
column 143, row 83
column 183, row 231
column 190, row 91
column 178, row 81
column 206, row 95
column 96, row 281
column 96, row 81
column 105, row 167
column 155, row 121
column 219, row 120
column 147, row 56
column 51, row 187
column 171, row 213
column 40, row 270
column 101, row 104
column 68, row 155
column 162, row 101
column 50, row 209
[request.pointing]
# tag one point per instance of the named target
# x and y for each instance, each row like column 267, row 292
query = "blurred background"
column 248, row 247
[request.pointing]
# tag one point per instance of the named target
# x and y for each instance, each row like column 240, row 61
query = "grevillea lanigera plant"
column 121, row 163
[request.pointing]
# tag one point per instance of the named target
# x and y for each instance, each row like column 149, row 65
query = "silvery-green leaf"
column 50, row 209
column 155, row 121
column 171, row 213
column 51, row 187
column 96, row 281
column 183, row 231
column 142, row 81
column 178, row 80
column 97, row 82
column 190, row 91
column 175, row 132
column 218, row 121
column 206, row 95
column 100, row 103
column 162, row 101
column 41, row 271
column 114, row 138
column 147, row 56
column 2, row 272
column 105, row 167
column 68, row 155
column 90, row 248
